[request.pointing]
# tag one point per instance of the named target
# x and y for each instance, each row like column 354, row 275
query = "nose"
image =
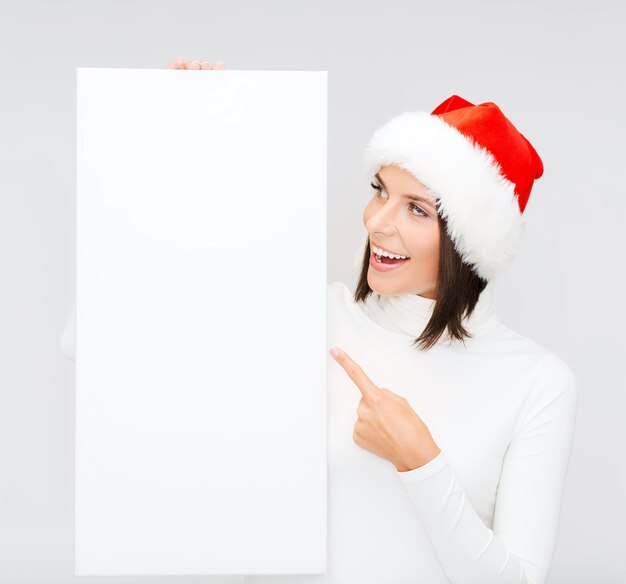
column 382, row 221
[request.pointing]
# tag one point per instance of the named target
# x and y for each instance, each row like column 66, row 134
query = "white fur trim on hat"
column 479, row 203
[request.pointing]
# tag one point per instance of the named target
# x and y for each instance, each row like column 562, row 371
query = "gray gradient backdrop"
column 553, row 67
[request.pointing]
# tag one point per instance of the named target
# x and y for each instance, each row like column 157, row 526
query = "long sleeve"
column 520, row 547
column 68, row 338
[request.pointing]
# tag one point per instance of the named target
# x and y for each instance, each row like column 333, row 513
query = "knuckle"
column 376, row 399
column 355, row 369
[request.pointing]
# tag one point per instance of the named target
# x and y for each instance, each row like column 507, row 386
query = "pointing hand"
column 387, row 425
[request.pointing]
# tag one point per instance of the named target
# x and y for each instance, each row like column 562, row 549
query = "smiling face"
column 402, row 218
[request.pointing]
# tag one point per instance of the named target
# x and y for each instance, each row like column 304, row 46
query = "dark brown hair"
column 457, row 291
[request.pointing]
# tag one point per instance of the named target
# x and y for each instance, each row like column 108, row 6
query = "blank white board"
column 201, row 322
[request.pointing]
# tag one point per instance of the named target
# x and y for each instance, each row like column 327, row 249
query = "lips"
column 387, row 265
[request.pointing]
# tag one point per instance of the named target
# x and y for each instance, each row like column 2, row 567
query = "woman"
column 449, row 434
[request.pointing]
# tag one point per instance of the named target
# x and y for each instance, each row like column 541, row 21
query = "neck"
column 409, row 313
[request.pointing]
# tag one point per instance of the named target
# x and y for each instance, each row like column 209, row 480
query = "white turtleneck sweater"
column 502, row 410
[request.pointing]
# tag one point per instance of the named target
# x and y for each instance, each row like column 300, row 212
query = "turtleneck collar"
column 410, row 313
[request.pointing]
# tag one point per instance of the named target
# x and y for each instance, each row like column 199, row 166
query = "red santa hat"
column 476, row 163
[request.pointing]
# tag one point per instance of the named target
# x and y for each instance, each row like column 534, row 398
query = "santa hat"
column 479, row 166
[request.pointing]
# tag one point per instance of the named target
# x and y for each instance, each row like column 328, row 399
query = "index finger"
column 367, row 387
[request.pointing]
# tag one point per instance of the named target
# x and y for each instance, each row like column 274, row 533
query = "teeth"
column 381, row 252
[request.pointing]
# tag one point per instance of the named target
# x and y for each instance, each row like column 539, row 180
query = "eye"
column 420, row 213
column 377, row 188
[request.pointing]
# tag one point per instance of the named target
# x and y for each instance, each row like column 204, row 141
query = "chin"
column 393, row 287
column 385, row 289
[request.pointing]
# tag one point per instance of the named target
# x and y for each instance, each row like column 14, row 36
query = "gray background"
column 553, row 67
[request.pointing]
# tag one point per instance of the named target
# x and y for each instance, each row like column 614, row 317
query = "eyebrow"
column 412, row 197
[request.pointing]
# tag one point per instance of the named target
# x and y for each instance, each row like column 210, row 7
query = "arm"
column 68, row 338
column 521, row 545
